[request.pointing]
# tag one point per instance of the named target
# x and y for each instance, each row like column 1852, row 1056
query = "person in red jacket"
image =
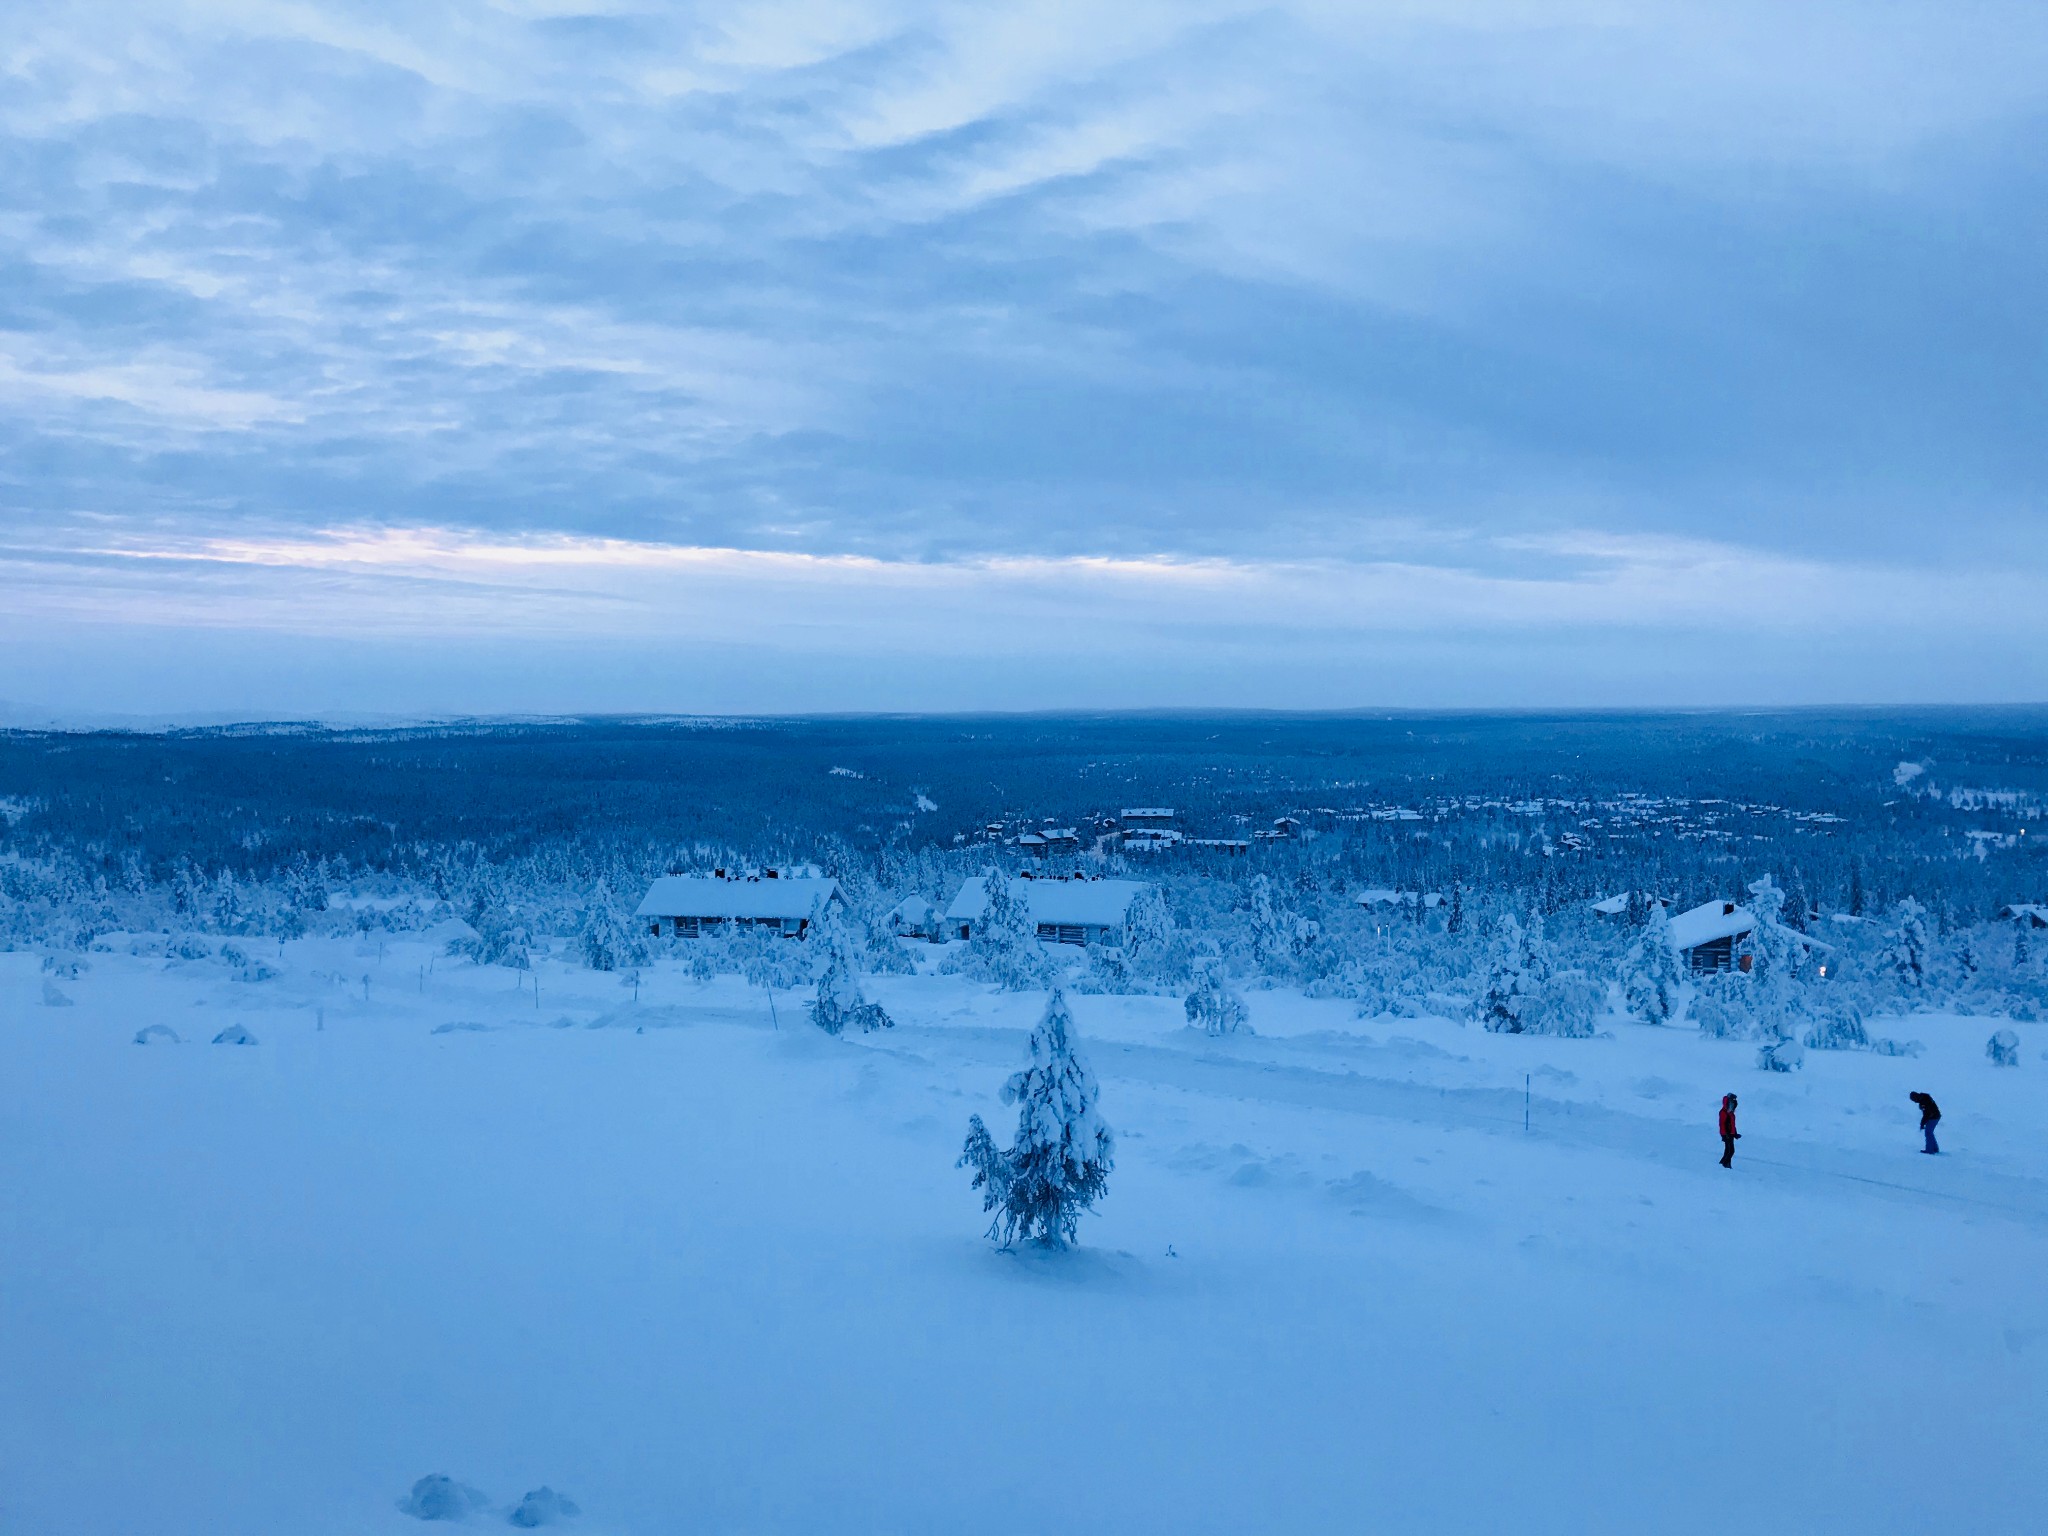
column 1729, row 1135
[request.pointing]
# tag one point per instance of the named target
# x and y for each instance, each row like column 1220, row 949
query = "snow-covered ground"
column 701, row 1268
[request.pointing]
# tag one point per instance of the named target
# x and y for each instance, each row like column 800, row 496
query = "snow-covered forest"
column 1407, row 877
column 376, row 1160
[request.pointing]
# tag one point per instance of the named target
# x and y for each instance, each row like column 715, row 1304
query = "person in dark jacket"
column 1729, row 1135
column 1930, row 1117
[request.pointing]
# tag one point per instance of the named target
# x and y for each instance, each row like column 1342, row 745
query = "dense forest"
column 1384, row 856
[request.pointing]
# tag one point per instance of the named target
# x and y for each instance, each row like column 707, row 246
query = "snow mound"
column 1366, row 1194
column 462, row 1026
column 234, row 1034
column 439, row 1497
column 163, row 1032
column 543, row 1506
column 53, row 995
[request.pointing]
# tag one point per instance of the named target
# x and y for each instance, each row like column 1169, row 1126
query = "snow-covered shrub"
column 53, row 995
column 500, row 938
column 768, row 959
column 1720, row 1006
column 1564, row 1003
column 2003, row 1048
column 1107, row 969
column 1780, row 1055
column 1889, row 1047
column 1060, row 1163
column 1837, row 1026
column 1214, row 1005
column 234, row 1034
column 543, row 1506
column 150, row 1032
column 439, row 1497
column 1653, row 979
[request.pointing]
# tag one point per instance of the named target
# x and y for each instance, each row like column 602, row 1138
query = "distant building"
column 685, row 906
column 1707, row 936
column 1617, row 906
column 2031, row 913
column 1151, row 839
column 1153, row 816
column 1050, row 840
column 1076, row 911
column 913, row 918
column 1714, row 936
column 1376, row 896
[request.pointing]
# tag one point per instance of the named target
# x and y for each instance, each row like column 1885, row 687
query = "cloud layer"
column 1591, row 328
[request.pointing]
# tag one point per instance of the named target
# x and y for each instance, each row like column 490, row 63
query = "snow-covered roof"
column 753, row 897
column 1615, row 906
column 1708, row 921
column 912, row 908
column 1149, row 812
column 2027, row 909
column 1380, row 896
column 1086, row 903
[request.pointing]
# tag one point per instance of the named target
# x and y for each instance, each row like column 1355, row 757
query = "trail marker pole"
column 1525, row 1103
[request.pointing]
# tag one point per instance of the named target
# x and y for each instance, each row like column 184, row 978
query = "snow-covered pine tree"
column 1148, row 924
column 1214, row 1004
column 607, row 939
column 1909, row 945
column 1002, row 944
column 2022, row 950
column 1273, row 930
column 500, row 938
column 1060, row 1164
column 1505, row 996
column 1654, row 977
column 840, row 1004
column 1454, row 925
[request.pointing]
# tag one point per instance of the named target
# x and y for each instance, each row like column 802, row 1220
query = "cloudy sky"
column 530, row 356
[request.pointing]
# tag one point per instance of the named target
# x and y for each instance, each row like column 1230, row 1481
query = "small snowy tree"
column 2003, row 1048
column 1214, row 1005
column 607, row 940
column 2022, row 951
column 1002, row 944
column 500, row 938
column 1273, row 930
column 1454, row 925
column 840, row 1004
column 1060, row 1163
column 1509, row 979
column 1909, row 945
column 1654, row 976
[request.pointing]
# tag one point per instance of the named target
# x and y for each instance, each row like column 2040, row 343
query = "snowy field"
column 701, row 1268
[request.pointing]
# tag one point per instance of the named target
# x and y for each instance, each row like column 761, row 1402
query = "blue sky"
column 836, row 355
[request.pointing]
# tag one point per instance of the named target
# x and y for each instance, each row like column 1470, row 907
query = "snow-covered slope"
column 700, row 1268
